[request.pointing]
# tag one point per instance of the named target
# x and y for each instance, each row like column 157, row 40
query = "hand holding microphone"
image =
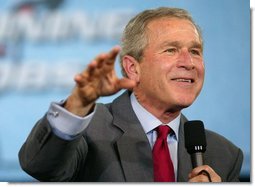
column 195, row 143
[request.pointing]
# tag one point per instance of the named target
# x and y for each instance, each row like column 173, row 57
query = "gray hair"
column 134, row 38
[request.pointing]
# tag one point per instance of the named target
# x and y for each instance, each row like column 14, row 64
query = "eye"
column 196, row 52
column 171, row 51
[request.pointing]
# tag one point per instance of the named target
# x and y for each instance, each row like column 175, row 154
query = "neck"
column 164, row 113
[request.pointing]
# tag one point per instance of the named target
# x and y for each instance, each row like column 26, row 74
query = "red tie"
column 163, row 166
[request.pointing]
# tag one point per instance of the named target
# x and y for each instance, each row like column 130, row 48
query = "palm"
column 100, row 78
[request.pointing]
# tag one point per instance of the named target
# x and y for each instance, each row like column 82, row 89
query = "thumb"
column 126, row 83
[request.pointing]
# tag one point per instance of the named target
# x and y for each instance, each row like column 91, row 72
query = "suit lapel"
column 133, row 147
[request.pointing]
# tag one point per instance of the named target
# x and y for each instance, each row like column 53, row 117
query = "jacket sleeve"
column 235, row 171
column 47, row 157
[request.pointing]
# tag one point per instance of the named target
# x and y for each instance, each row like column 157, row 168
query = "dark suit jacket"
column 114, row 147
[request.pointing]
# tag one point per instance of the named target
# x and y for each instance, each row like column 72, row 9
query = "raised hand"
column 99, row 79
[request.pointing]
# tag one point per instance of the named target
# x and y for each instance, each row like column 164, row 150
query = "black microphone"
column 195, row 141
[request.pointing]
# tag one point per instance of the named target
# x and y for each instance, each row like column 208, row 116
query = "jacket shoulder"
column 216, row 140
column 223, row 156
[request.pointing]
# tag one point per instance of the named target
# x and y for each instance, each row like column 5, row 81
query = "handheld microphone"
column 195, row 141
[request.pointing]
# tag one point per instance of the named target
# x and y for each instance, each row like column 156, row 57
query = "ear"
column 131, row 67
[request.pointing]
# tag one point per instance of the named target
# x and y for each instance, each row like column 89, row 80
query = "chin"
column 178, row 106
column 184, row 103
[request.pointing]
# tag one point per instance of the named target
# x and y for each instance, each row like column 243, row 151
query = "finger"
column 79, row 79
column 198, row 169
column 126, row 83
column 206, row 171
column 113, row 54
column 103, row 59
column 91, row 67
column 100, row 59
column 98, row 67
column 199, row 178
column 108, row 58
column 83, row 78
column 95, row 68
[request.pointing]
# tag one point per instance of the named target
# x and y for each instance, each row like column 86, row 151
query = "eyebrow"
column 197, row 45
column 192, row 44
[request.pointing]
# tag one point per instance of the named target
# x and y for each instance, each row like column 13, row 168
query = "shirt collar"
column 148, row 121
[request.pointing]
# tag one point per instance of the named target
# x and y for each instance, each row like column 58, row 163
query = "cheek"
column 155, row 70
column 202, row 76
column 201, row 69
column 150, row 79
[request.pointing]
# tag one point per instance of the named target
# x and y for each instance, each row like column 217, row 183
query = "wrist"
column 78, row 107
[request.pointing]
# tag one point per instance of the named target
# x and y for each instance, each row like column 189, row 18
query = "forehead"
column 172, row 27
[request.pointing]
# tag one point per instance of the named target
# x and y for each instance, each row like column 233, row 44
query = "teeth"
column 183, row 80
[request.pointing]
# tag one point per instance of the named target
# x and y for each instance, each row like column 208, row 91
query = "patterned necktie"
column 163, row 166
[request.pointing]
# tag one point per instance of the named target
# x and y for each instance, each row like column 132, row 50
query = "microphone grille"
column 194, row 134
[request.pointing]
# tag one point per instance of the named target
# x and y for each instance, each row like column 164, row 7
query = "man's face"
column 172, row 69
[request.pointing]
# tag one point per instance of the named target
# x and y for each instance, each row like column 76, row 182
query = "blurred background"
column 44, row 43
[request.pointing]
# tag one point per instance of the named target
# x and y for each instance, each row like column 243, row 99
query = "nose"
column 185, row 60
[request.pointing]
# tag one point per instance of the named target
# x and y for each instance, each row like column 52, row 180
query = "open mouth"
column 183, row 80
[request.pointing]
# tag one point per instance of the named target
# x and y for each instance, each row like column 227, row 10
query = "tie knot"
column 163, row 131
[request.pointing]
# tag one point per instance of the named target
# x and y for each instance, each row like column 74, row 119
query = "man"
column 162, row 63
